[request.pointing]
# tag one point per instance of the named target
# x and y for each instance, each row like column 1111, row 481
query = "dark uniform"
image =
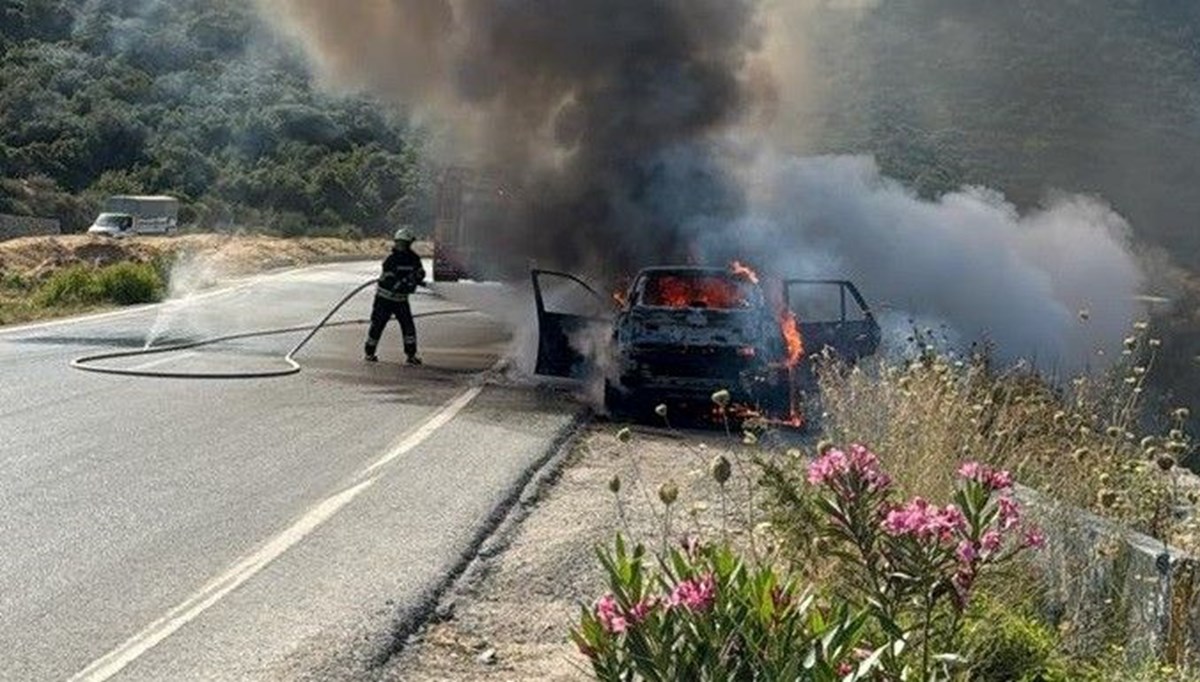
column 402, row 272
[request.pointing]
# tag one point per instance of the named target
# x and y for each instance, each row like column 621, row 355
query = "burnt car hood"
column 692, row 327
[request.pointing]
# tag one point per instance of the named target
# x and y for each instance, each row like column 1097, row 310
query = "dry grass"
column 36, row 257
column 29, row 264
column 1083, row 444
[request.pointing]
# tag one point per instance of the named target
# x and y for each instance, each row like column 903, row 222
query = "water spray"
column 86, row 363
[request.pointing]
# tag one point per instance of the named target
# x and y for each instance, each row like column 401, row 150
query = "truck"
column 126, row 215
column 469, row 207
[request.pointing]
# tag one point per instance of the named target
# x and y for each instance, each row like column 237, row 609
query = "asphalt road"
column 155, row 529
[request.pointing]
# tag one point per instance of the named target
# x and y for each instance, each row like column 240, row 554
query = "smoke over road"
column 642, row 131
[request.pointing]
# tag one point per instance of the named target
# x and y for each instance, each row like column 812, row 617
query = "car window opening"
column 716, row 291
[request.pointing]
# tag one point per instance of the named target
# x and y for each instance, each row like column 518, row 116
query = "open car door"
column 567, row 311
column 834, row 316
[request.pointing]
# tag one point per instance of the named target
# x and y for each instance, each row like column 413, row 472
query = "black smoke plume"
column 604, row 113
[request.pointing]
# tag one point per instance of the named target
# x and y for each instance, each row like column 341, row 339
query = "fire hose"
column 85, row 363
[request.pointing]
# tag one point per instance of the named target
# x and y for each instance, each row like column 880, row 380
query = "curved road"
column 281, row 529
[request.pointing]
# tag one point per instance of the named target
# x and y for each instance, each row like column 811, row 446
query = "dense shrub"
column 130, row 283
column 705, row 614
column 120, row 283
column 1006, row 644
column 74, row 285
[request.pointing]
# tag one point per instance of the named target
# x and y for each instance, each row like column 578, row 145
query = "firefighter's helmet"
column 404, row 234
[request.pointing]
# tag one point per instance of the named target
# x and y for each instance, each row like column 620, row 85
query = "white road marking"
column 113, row 662
column 437, row 421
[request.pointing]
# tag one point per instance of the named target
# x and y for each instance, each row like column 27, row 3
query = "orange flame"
column 792, row 337
column 704, row 291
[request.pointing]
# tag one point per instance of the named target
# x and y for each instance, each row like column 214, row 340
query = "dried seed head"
column 614, row 484
column 824, row 446
column 1165, row 462
column 1112, row 432
column 1105, row 478
column 1155, row 343
column 1060, row 417
column 1130, row 342
column 1080, row 454
column 795, row 454
column 668, row 492
column 1107, row 498
column 1147, row 443
column 1176, row 434
column 1141, row 326
column 721, row 398
column 1084, row 314
column 1181, row 414
column 749, row 438
column 1177, row 448
column 720, row 469
column 661, row 411
column 625, row 435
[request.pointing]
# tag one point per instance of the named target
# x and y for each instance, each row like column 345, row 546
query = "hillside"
column 194, row 99
column 1028, row 97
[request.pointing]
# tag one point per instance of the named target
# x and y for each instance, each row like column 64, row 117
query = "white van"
column 124, row 216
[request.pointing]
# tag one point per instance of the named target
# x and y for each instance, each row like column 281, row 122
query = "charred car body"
column 682, row 333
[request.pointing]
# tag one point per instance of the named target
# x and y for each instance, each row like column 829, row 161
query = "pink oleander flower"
column 866, row 464
column 836, row 464
column 925, row 521
column 610, row 616
column 992, row 479
column 990, row 542
column 1010, row 513
column 1000, row 480
column 827, row 467
column 642, row 609
column 844, row 668
column 697, row 594
column 951, row 520
column 966, row 552
column 971, row 471
column 1034, row 539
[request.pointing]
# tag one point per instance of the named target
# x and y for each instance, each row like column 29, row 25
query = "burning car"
column 680, row 334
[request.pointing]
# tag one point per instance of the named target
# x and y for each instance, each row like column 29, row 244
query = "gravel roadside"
column 508, row 617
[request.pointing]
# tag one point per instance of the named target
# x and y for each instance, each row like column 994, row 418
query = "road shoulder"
column 509, row 615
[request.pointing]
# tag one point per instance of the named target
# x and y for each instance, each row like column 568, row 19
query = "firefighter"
column 402, row 274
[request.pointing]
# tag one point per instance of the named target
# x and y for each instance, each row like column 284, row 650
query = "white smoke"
column 968, row 259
